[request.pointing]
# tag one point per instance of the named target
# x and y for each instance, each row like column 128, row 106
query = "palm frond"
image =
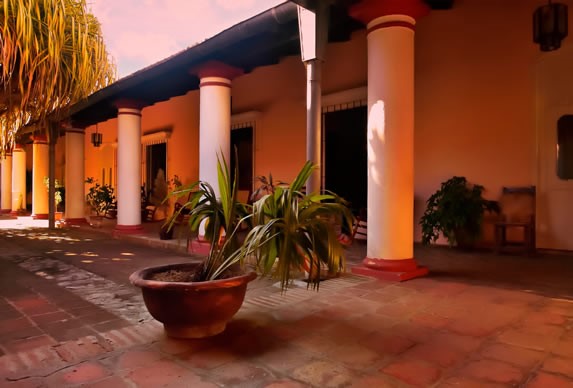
column 52, row 54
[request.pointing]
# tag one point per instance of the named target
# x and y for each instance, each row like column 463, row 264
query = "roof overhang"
column 259, row 41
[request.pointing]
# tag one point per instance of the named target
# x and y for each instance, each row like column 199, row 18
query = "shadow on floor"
column 546, row 273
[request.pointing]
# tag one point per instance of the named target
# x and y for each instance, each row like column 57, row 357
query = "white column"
column 128, row 168
column 214, row 127
column 18, row 179
column 75, row 176
column 40, row 160
column 390, row 137
column 6, row 191
column 314, row 122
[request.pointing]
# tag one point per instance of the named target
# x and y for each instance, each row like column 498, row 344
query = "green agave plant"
column 293, row 231
column 288, row 230
column 222, row 216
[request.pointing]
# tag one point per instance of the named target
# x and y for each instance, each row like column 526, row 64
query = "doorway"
column 345, row 155
column 156, row 159
column 242, row 141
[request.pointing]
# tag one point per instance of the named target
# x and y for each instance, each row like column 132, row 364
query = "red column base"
column 393, row 270
column 5, row 211
column 75, row 221
column 200, row 247
column 40, row 216
column 127, row 229
column 9, row 215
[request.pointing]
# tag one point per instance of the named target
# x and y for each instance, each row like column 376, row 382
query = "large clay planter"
column 191, row 310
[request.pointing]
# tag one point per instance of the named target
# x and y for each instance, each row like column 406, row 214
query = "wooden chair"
column 517, row 220
column 148, row 213
column 360, row 230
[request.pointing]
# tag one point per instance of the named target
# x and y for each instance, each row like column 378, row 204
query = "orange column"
column 6, row 191
column 390, row 246
column 18, row 179
column 40, row 160
column 75, row 176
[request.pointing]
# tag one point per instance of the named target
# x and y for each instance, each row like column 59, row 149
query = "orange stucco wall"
column 475, row 97
column 278, row 93
column 178, row 115
column 99, row 160
column 181, row 115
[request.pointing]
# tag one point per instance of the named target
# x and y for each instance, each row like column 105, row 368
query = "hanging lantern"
column 550, row 25
column 97, row 138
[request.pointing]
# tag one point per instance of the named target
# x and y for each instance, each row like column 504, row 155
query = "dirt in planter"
column 191, row 275
column 175, row 275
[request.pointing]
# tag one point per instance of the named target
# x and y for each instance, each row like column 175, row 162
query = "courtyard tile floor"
column 68, row 317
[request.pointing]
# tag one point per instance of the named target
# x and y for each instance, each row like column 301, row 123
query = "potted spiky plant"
column 195, row 300
column 294, row 231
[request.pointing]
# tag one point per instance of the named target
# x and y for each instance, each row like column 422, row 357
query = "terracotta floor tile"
column 381, row 381
column 322, row 373
column 167, row 374
column 238, row 373
column 462, row 382
column 527, row 340
column 514, row 355
column 284, row 359
column 495, row 371
column 564, row 347
column 87, row 372
column 29, row 344
column 386, row 343
column 109, row 382
column 354, row 356
column 48, row 318
column 563, row 366
column 546, row 380
column 209, row 358
column 315, row 344
column 285, row 384
column 137, row 358
column 414, row 372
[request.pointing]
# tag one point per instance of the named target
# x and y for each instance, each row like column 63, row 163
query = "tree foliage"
column 52, row 55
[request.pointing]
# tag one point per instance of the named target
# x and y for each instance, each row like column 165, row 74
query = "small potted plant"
column 58, row 195
column 195, row 300
column 166, row 230
column 100, row 199
column 456, row 211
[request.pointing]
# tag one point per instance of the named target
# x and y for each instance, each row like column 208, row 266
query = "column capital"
column 18, row 148
column 75, row 124
column 40, row 139
column 80, row 131
column 127, row 103
column 216, row 69
column 368, row 10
